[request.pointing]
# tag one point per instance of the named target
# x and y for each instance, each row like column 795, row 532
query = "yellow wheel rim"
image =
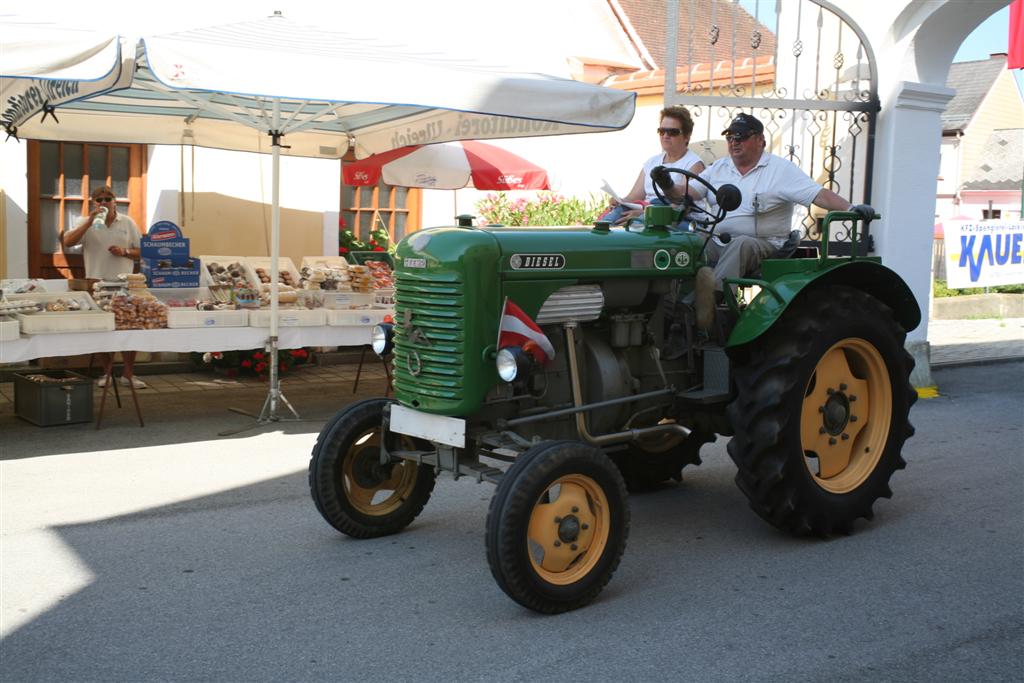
column 846, row 415
column 371, row 489
column 569, row 528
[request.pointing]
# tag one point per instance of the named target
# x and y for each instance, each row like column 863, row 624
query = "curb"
column 976, row 361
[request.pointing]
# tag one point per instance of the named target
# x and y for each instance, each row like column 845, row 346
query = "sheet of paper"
column 608, row 188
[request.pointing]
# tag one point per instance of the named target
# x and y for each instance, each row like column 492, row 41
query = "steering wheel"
column 727, row 197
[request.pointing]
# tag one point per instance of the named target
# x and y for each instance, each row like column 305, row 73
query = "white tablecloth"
column 179, row 340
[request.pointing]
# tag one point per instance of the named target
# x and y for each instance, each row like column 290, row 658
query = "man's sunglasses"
column 671, row 132
column 736, row 137
column 103, row 200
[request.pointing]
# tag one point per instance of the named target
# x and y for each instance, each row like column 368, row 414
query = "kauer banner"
column 984, row 253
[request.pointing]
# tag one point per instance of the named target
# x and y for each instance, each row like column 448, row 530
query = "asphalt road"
column 204, row 559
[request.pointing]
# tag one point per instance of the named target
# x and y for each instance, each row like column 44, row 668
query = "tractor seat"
column 787, row 250
column 788, row 247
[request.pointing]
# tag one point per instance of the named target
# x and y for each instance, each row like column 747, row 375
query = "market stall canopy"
column 46, row 67
column 231, row 86
column 272, row 85
column 448, row 166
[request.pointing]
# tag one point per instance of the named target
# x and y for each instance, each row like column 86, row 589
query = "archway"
column 895, row 165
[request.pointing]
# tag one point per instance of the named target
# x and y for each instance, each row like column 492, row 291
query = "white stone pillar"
column 906, row 168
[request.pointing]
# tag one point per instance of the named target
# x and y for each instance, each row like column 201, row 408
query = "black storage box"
column 62, row 397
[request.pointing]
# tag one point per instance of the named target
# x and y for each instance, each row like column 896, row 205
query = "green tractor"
column 532, row 358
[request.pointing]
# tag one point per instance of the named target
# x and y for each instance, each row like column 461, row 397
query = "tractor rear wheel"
column 557, row 526
column 822, row 412
column 648, row 463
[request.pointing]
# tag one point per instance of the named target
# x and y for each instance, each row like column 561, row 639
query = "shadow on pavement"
column 179, row 418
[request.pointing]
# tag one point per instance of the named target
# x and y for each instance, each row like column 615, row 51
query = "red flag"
column 517, row 329
column 1015, row 45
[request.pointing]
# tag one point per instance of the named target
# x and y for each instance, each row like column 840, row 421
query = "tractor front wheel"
column 351, row 489
column 557, row 526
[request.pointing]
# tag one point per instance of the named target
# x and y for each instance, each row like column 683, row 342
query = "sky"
column 993, row 35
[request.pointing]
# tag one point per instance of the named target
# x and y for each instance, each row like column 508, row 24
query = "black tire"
column 554, row 566
column 347, row 482
column 645, row 466
column 822, row 412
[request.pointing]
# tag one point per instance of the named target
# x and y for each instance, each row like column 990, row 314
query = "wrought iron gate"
column 814, row 87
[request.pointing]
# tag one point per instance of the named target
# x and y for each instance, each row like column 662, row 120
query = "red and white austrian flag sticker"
column 517, row 329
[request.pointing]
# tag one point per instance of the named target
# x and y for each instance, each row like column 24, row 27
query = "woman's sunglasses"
column 671, row 132
column 103, row 200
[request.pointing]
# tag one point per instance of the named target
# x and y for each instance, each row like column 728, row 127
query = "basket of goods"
column 383, row 276
column 325, row 278
column 362, row 279
column 247, row 297
column 232, row 272
column 285, row 277
column 287, row 274
column 10, row 329
column 138, row 312
column 202, row 307
column 53, row 312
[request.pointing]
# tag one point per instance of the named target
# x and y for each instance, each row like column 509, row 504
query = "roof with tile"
column 972, row 81
column 734, row 27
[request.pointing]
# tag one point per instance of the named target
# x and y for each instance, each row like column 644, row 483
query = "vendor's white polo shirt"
column 99, row 262
column 770, row 191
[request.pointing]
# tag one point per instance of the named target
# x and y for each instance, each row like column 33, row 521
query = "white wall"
column 949, row 168
column 14, row 182
column 306, row 184
column 1007, row 201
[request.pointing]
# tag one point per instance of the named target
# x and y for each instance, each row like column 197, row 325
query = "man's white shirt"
column 770, row 191
column 99, row 262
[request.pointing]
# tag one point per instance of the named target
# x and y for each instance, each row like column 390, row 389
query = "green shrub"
column 547, row 208
column 939, row 289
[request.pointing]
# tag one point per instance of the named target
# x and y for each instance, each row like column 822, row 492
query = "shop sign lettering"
column 984, row 254
column 21, row 106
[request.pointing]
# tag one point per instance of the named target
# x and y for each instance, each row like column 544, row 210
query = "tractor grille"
column 430, row 321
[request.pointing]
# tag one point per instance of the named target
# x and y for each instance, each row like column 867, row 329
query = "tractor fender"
column 869, row 276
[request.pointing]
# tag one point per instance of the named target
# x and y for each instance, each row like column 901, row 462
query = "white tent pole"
column 274, row 394
column 275, row 254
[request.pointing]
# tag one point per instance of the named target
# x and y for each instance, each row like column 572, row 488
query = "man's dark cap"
column 744, row 124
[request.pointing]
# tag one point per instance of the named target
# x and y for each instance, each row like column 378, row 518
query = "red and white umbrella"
column 448, row 166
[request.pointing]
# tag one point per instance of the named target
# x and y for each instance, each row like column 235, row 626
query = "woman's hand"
column 629, row 215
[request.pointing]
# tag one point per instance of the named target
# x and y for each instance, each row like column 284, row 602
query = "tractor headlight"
column 512, row 363
column 382, row 338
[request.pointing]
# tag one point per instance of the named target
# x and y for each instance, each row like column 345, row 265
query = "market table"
column 179, row 340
